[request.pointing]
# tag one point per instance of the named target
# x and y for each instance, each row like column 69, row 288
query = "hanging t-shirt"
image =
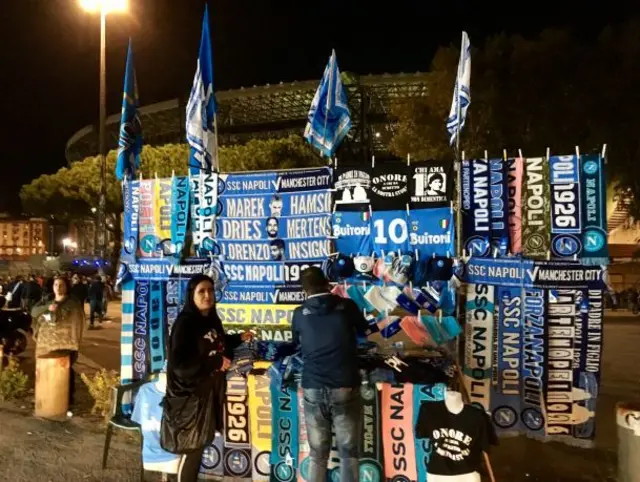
column 458, row 440
column 147, row 412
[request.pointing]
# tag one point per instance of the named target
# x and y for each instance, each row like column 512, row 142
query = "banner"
column 270, row 294
column 271, row 272
column 371, row 453
column 594, row 210
column 313, row 249
column 284, row 460
column 270, row 228
column 156, row 326
column 352, row 231
column 352, row 181
column 431, row 184
column 533, row 362
column 507, row 386
column 253, row 314
column 515, row 168
column 518, row 272
column 431, row 232
column 179, row 214
column 566, row 218
column 148, row 241
column 425, row 394
column 164, row 269
column 204, row 202
column 274, row 205
column 536, row 214
column 499, row 206
column 476, row 219
column 398, row 433
column 260, row 420
column 479, row 344
column 141, row 330
column 270, row 182
column 237, row 438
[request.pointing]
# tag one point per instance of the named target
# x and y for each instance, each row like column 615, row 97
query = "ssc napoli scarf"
column 478, row 355
column 303, row 445
column 211, row 465
column 594, row 210
column 237, row 441
column 284, row 453
column 179, row 214
column 141, row 330
column 172, row 303
column 476, row 207
column 131, row 200
column 371, row 454
column 536, row 214
column 566, row 218
column 499, row 206
column 156, row 326
column 425, row 394
column 260, row 420
column 533, row 362
column 204, row 206
column 505, row 395
column 397, row 428
column 515, row 172
column 126, row 338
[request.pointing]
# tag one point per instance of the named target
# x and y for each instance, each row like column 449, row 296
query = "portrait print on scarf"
column 431, row 184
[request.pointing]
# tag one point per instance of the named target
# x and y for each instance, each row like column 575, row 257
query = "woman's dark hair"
column 195, row 280
column 66, row 282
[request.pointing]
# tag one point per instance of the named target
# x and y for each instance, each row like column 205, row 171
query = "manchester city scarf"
column 179, row 214
column 156, row 326
column 566, row 217
column 397, row 428
column 594, row 210
column 536, row 214
column 533, row 362
column 507, row 386
column 237, row 442
column 371, row 460
column 141, row 330
column 284, row 453
column 499, row 206
column 478, row 356
column 425, row 394
column 260, row 419
column 476, row 208
column 515, row 168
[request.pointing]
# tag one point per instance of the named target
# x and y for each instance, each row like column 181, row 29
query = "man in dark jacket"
column 326, row 327
column 96, row 297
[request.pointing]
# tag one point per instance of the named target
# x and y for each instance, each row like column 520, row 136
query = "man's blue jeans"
column 342, row 408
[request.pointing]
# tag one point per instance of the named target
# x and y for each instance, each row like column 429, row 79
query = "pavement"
column 36, row 450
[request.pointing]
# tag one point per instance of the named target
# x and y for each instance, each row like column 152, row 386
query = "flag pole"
column 215, row 142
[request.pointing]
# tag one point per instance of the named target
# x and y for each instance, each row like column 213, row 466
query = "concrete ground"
column 35, row 450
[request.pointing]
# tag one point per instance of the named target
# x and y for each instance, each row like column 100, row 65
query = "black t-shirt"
column 458, row 439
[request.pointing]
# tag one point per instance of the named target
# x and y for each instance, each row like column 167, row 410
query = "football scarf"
column 499, row 206
column 303, row 441
column 425, row 394
column 476, row 220
column 515, row 168
column 260, row 420
column 131, row 200
column 594, row 210
column 536, row 214
column 141, row 330
column 148, row 241
column 156, row 326
column 397, row 428
column 533, row 362
column 162, row 210
column 179, row 214
column 478, row 356
column 126, row 336
column 172, row 302
column 566, row 218
column 284, row 453
column 431, row 184
column 237, row 442
column 204, row 208
column 371, row 460
column 212, row 464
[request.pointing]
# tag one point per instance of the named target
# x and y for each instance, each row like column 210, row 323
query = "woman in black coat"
column 198, row 356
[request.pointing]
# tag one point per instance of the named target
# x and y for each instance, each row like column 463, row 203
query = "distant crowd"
column 25, row 292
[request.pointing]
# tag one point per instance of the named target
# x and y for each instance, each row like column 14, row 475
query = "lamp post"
column 103, row 7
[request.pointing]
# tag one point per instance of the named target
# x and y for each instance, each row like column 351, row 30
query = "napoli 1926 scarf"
column 499, row 206
column 371, row 460
column 284, row 453
column 397, row 429
column 141, row 330
column 566, row 218
column 594, row 210
column 536, row 214
column 260, row 419
column 476, row 208
column 156, row 326
column 533, row 362
column 478, row 356
column 425, row 394
column 506, row 392
column 237, row 442
column 515, row 172
column 180, row 214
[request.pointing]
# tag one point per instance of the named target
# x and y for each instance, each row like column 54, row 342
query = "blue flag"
column 130, row 143
column 329, row 116
column 461, row 92
column 201, row 109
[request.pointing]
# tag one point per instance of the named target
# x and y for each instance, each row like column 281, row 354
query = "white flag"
column 461, row 92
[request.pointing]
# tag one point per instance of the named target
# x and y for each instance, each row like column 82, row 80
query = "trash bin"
column 628, row 421
column 52, row 386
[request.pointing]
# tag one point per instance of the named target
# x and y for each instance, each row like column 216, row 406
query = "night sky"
column 49, row 51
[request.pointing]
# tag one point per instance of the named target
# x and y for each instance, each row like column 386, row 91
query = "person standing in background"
column 96, row 298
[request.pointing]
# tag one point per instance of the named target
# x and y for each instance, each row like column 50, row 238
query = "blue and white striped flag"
column 130, row 142
column 201, row 109
column 329, row 116
column 462, row 91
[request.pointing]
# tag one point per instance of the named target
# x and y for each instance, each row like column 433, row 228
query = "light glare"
column 104, row 6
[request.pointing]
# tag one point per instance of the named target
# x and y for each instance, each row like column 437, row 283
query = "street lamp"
column 104, row 8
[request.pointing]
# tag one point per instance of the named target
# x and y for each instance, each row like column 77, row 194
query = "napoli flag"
column 201, row 109
column 329, row 116
column 130, row 142
column 461, row 92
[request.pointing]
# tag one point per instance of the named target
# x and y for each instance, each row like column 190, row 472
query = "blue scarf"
column 371, row 455
column 237, row 442
column 566, row 226
column 533, row 362
column 284, row 453
column 179, row 214
column 476, row 209
column 156, row 326
column 499, row 206
column 131, row 201
column 141, row 330
column 593, row 190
